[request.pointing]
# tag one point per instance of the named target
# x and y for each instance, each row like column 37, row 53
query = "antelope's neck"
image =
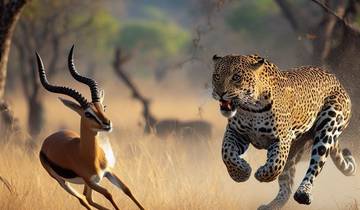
column 89, row 145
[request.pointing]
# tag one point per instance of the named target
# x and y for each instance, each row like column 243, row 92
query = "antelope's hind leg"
column 74, row 193
column 117, row 182
column 88, row 193
column 64, row 184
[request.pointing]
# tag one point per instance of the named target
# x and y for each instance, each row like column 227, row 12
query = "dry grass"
column 163, row 174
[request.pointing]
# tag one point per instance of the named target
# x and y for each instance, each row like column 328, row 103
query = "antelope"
column 81, row 159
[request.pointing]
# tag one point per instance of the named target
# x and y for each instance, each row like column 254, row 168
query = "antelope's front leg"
column 117, row 182
column 234, row 145
column 276, row 158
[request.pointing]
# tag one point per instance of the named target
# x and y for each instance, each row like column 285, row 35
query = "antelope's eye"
column 236, row 77
column 88, row 115
column 216, row 76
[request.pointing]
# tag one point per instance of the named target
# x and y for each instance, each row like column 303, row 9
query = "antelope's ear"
column 216, row 58
column 72, row 105
column 102, row 96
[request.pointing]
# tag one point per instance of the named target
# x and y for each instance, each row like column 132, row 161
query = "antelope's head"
column 92, row 113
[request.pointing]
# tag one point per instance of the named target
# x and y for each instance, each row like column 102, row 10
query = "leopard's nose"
column 222, row 96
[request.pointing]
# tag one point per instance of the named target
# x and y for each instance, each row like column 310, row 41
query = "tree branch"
column 149, row 118
column 342, row 21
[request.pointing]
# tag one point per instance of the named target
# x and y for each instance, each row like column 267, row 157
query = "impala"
column 81, row 159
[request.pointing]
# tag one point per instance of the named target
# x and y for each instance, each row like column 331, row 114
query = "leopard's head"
column 236, row 82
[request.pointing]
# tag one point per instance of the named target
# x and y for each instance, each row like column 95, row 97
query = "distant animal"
column 282, row 112
column 185, row 129
column 81, row 159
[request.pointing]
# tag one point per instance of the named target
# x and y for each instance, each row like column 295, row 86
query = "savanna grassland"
column 164, row 174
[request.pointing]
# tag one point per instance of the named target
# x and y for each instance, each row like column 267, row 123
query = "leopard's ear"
column 259, row 65
column 216, row 57
column 260, row 62
column 256, row 61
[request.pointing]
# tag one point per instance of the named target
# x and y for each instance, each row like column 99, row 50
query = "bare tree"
column 10, row 11
column 161, row 127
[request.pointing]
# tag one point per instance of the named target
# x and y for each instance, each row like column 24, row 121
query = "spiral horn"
column 59, row 89
column 95, row 93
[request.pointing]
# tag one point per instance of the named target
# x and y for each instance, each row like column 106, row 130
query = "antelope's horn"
column 59, row 89
column 95, row 93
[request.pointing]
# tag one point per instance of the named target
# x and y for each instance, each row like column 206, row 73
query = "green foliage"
column 155, row 34
column 250, row 16
column 86, row 23
column 102, row 30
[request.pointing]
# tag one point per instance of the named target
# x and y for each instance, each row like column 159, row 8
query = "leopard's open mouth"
column 227, row 105
column 227, row 108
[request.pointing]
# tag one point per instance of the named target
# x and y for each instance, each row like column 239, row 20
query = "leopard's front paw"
column 240, row 172
column 266, row 174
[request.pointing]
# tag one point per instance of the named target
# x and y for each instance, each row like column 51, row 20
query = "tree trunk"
column 9, row 15
column 36, row 115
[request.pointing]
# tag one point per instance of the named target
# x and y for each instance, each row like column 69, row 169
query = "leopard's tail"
column 343, row 160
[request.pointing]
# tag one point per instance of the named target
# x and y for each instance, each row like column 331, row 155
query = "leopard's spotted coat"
column 281, row 111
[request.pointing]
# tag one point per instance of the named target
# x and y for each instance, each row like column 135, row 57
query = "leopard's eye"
column 236, row 77
column 216, row 76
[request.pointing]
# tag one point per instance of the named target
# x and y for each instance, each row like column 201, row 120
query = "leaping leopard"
column 282, row 112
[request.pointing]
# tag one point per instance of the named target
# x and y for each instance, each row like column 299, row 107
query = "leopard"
column 285, row 112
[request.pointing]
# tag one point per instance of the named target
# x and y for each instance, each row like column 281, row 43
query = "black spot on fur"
column 312, row 161
column 263, row 130
column 317, row 139
column 308, row 171
column 325, row 139
column 322, row 124
column 314, row 152
column 331, row 113
column 321, row 150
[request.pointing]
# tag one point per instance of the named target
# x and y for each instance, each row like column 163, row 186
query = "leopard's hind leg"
column 343, row 160
column 330, row 123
